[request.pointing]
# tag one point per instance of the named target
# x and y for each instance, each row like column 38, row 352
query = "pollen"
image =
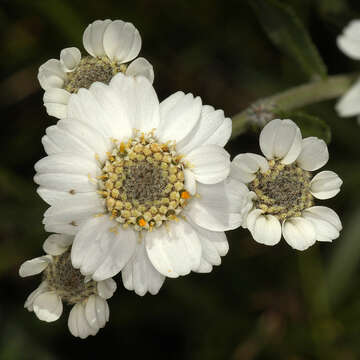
column 283, row 191
column 142, row 182
column 66, row 281
column 185, row 195
column 91, row 70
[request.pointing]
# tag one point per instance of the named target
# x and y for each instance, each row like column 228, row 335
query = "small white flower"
column 111, row 45
column 349, row 44
column 62, row 283
column 284, row 190
column 150, row 202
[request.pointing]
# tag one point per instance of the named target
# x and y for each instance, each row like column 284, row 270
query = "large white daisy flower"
column 62, row 283
column 349, row 44
column 140, row 184
column 111, row 46
column 284, row 190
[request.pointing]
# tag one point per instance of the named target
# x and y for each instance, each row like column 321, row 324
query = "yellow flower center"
column 283, row 191
column 90, row 70
column 143, row 183
column 66, row 281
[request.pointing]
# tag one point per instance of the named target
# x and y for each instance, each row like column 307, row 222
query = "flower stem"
column 296, row 97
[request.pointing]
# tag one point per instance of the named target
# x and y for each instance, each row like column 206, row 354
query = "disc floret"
column 283, row 190
column 143, row 182
column 91, row 69
column 68, row 282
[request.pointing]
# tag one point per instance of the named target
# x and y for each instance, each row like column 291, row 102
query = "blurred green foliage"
column 284, row 28
column 261, row 303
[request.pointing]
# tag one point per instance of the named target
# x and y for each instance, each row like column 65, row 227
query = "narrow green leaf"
column 288, row 33
column 310, row 125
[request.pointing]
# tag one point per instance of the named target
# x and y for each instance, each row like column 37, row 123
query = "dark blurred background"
column 262, row 302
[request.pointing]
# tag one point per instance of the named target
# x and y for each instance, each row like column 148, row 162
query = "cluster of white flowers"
column 146, row 188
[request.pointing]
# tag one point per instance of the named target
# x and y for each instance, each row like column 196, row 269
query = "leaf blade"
column 288, row 33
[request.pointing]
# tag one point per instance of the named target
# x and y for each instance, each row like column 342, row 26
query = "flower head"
column 111, row 46
column 284, row 189
column 61, row 282
column 140, row 184
column 349, row 44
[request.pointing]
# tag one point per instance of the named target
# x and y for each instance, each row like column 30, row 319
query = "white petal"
column 72, row 320
column 95, row 312
column 79, row 207
column 66, row 182
column 51, row 197
column 140, row 275
column 93, row 144
column 78, row 324
column 204, row 267
column 115, row 112
column 189, row 181
column 57, row 244
column 349, row 40
column 180, row 114
column 211, row 121
column 57, row 96
column 174, row 251
column 314, row 154
column 68, row 140
column 141, row 67
column 102, row 311
column 325, row 185
column 70, row 58
column 43, row 287
column 299, row 233
column 57, row 110
column 209, row 163
column 48, row 306
column 34, row 266
column 325, row 221
column 265, row 229
column 106, row 288
column 102, row 249
column 49, row 145
column 213, row 244
column 221, row 206
column 67, row 163
column 83, row 106
column 252, row 217
column 51, row 75
column 139, row 101
column 93, row 37
column 349, row 104
column 244, row 166
column 222, row 135
column 63, row 227
column 122, row 41
column 281, row 139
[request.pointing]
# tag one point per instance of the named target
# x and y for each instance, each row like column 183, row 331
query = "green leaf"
column 310, row 125
column 288, row 33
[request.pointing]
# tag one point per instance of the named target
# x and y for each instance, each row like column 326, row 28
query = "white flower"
column 150, row 202
column 111, row 45
column 349, row 44
column 62, row 283
column 284, row 190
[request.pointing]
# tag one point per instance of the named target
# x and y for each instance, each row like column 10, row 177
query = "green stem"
column 297, row 97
